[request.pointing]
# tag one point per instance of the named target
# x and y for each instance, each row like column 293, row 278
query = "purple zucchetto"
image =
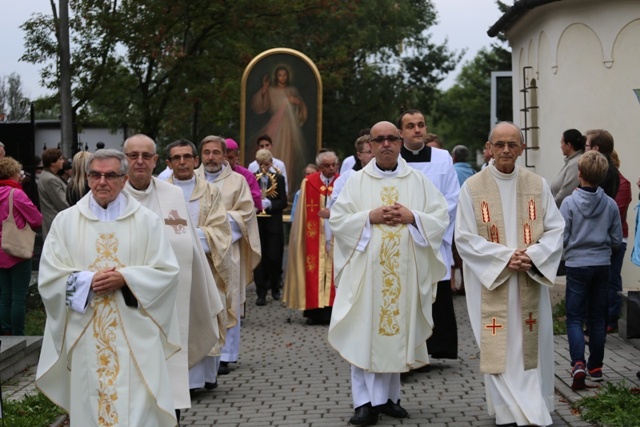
column 231, row 144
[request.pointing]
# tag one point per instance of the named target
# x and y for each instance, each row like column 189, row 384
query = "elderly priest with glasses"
column 388, row 224
column 108, row 280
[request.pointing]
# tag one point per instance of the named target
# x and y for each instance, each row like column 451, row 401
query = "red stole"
column 320, row 290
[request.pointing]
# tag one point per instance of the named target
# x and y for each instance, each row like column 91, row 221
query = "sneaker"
column 595, row 374
column 579, row 374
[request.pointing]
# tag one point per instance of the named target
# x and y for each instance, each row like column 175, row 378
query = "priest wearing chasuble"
column 509, row 234
column 388, row 224
column 245, row 238
column 207, row 212
column 198, row 302
column 309, row 279
column 108, row 280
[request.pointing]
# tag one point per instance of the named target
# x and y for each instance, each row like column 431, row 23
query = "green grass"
column 559, row 318
column 615, row 405
column 32, row 411
column 35, row 317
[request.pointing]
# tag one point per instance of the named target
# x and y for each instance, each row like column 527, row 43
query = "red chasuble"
column 309, row 279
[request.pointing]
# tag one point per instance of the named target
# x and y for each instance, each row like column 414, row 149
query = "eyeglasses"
column 109, row 176
column 135, row 156
column 381, row 139
column 179, row 157
column 500, row 145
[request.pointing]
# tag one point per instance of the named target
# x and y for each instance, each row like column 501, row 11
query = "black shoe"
column 392, row 409
column 224, row 368
column 261, row 301
column 364, row 416
column 211, row 386
column 276, row 295
column 312, row 322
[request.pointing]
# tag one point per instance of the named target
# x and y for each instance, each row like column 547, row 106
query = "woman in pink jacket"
column 15, row 273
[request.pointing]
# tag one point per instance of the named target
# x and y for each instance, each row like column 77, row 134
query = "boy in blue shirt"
column 592, row 230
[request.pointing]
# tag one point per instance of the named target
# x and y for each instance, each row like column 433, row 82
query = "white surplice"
column 105, row 363
column 517, row 396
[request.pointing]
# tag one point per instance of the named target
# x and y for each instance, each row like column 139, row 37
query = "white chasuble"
column 517, row 395
column 210, row 216
column 237, row 200
column 107, row 366
column 381, row 315
column 198, row 301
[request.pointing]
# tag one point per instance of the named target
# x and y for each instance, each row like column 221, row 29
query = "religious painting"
column 282, row 98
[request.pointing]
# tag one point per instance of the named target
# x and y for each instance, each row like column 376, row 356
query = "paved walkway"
column 288, row 375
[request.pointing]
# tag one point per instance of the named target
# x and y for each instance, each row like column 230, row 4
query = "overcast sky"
column 463, row 22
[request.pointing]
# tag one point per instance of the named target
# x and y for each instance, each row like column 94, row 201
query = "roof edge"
column 517, row 11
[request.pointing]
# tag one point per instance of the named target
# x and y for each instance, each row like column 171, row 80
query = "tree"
column 13, row 103
column 463, row 113
column 173, row 68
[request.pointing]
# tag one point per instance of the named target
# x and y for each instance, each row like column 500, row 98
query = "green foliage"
column 173, row 68
column 559, row 318
column 32, row 411
column 12, row 101
column 615, row 405
column 463, row 112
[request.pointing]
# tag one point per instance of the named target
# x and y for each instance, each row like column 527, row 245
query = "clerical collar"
column 113, row 210
column 325, row 179
column 387, row 170
column 414, row 151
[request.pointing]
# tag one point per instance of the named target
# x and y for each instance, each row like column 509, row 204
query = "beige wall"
column 585, row 59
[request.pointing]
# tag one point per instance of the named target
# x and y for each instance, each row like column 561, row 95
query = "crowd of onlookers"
column 34, row 200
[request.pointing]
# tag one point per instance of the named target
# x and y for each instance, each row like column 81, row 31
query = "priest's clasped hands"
column 520, row 261
column 391, row 215
column 108, row 280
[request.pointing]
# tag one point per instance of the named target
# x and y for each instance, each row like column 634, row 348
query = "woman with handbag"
column 18, row 216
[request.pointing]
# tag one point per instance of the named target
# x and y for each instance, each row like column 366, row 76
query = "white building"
column 577, row 63
column 47, row 134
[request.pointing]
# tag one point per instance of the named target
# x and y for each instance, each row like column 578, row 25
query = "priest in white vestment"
column 245, row 250
column 198, row 301
column 108, row 280
column 388, row 224
column 509, row 235
column 207, row 212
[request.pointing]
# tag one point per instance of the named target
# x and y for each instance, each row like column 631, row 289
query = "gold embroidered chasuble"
column 490, row 222
column 309, row 276
column 107, row 366
column 198, row 302
column 382, row 315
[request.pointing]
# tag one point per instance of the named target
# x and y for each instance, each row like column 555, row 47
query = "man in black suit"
column 274, row 200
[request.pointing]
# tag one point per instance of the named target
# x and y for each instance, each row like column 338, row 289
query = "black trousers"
column 443, row 344
column 268, row 274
